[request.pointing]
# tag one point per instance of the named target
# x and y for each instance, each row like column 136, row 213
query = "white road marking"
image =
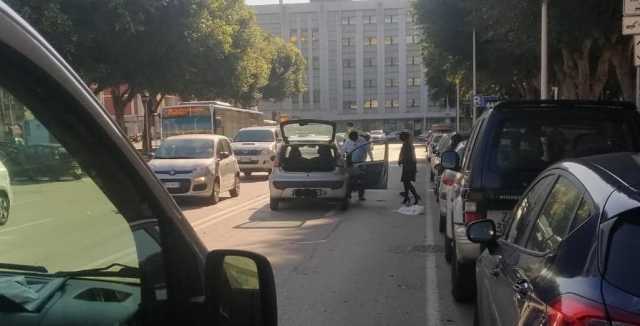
column 433, row 309
column 17, row 227
column 232, row 210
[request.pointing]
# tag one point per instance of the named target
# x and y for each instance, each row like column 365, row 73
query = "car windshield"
column 254, row 136
column 185, row 148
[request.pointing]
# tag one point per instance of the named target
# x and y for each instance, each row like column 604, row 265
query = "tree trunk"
column 622, row 60
column 582, row 74
column 120, row 99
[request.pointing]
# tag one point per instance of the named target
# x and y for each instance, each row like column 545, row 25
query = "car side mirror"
column 482, row 231
column 450, row 160
column 240, row 289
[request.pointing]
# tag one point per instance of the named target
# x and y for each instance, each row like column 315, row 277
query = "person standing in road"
column 408, row 162
column 355, row 148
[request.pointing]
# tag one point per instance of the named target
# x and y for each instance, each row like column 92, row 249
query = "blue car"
column 569, row 255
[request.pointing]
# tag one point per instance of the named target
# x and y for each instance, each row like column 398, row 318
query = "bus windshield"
column 187, row 120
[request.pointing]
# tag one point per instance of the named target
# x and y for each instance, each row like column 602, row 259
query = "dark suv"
column 508, row 147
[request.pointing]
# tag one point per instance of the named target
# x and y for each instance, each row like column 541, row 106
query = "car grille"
column 308, row 184
column 173, row 172
column 247, row 152
column 185, row 185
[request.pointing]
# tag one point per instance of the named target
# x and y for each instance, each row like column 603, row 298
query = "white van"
column 255, row 148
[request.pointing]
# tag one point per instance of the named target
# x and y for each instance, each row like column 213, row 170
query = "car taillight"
column 447, row 180
column 471, row 213
column 574, row 310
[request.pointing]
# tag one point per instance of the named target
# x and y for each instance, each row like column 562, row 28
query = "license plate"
column 500, row 218
column 172, row 184
column 306, row 193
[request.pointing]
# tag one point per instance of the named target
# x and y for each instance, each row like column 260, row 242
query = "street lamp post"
column 146, row 141
column 544, row 52
column 475, row 80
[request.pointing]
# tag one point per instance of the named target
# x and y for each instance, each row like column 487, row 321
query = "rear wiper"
column 124, row 271
column 28, row 268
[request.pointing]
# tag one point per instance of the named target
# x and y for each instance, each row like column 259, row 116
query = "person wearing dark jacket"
column 408, row 162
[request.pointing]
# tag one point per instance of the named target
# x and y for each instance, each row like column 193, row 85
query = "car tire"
column 235, row 191
column 344, row 204
column 247, row 174
column 448, row 248
column 463, row 279
column 274, row 204
column 215, row 193
column 5, row 207
column 442, row 225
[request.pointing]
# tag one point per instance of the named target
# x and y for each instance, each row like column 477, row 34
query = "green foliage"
column 287, row 76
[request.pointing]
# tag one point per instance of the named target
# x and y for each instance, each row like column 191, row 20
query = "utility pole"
column 544, row 55
column 475, row 81
column 458, row 106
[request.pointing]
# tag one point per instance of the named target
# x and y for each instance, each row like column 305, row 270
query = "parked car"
column 197, row 166
column 433, row 144
column 568, row 255
column 377, row 136
column 171, row 279
column 6, row 194
column 448, row 142
column 309, row 168
column 446, row 182
column 509, row 146
column 255, row 148
column 393, row 136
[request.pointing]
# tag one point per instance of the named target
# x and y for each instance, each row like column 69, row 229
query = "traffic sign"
column 631, row 7
column 631, row 25
column 636, row 50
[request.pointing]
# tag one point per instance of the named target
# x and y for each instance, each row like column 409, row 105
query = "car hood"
column 179, row 164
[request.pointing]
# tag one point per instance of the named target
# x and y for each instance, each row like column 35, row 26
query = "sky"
column 269, row 2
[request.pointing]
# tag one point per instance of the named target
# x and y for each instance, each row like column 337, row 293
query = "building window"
column 390, row 61
column 295, row 99
column 413, row 82
column 390, row 19
column 347, row 63
column 370, row 19
column 413, row 103
column 371, row 103
column 371, row 41
column 316, row 96
column 414, row 60
column 305, row 97
column 303, row 36
column 389, row 40
column 412, row 39
column 370, row 83
column 347, row 41
column 411, row 18
column 390, row 83
column 316, row 63
column 392, row 103
column 348, row 84
column 369, row 62
column 349, row 106
column 348, row 20
column 315, row 35
column 293, row 36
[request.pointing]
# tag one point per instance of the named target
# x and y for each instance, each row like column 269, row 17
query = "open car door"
column 375, row 169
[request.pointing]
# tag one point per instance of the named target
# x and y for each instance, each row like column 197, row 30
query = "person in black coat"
column 408, row 162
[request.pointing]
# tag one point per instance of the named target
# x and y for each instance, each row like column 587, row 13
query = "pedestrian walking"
column 408, row 162
column 355, row 148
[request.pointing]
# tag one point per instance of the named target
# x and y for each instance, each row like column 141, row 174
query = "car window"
column 623, row 258
column 553, row 222
column 525, row 209
column 466, row 160
column 55, row 218
column 254, row 135
column 584, row 211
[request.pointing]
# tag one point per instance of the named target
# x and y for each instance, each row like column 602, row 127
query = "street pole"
column 458, row 106
column 544, row 55
column 475, row 81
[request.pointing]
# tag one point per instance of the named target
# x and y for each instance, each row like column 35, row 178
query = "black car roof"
column 620, row 170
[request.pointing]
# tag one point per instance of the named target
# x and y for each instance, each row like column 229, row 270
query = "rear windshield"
column 185, row 149
column 254, row 136
column 524, row 144
column 623, row 260
column 307, row 158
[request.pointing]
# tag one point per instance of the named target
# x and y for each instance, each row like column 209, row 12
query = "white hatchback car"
column 6, row 194
column 201, row 166
column 311, row 166
column 255, row 148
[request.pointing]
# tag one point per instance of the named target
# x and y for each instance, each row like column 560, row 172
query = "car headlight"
column 201, row 179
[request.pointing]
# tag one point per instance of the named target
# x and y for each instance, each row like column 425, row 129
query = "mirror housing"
column 450, row 160
column 240, row 289
column 482, row 231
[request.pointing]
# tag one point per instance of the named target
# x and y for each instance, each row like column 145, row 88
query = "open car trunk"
column 309, row 158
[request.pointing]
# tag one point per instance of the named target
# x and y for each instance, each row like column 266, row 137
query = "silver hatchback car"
column 200, row 166
column 311, row 166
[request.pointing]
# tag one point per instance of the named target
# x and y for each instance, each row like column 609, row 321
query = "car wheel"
column 274, row 204
column 462, row 279
column 448, row 248
column 247, row 174
column 235, row 192
column 5, row 206
column 344, row 205
column 443, row 223
column 215, row 193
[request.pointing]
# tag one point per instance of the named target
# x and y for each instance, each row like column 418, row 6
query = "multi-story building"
column 363, row 63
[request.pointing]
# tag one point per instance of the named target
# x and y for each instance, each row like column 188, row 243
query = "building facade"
column 364, row 63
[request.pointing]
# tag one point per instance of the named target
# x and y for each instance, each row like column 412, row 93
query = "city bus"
column 211, row 117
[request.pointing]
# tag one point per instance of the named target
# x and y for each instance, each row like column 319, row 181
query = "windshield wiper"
column 124, row 271
column 28, row 268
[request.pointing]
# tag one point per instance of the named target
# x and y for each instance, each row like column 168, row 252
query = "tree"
column 287, row 75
